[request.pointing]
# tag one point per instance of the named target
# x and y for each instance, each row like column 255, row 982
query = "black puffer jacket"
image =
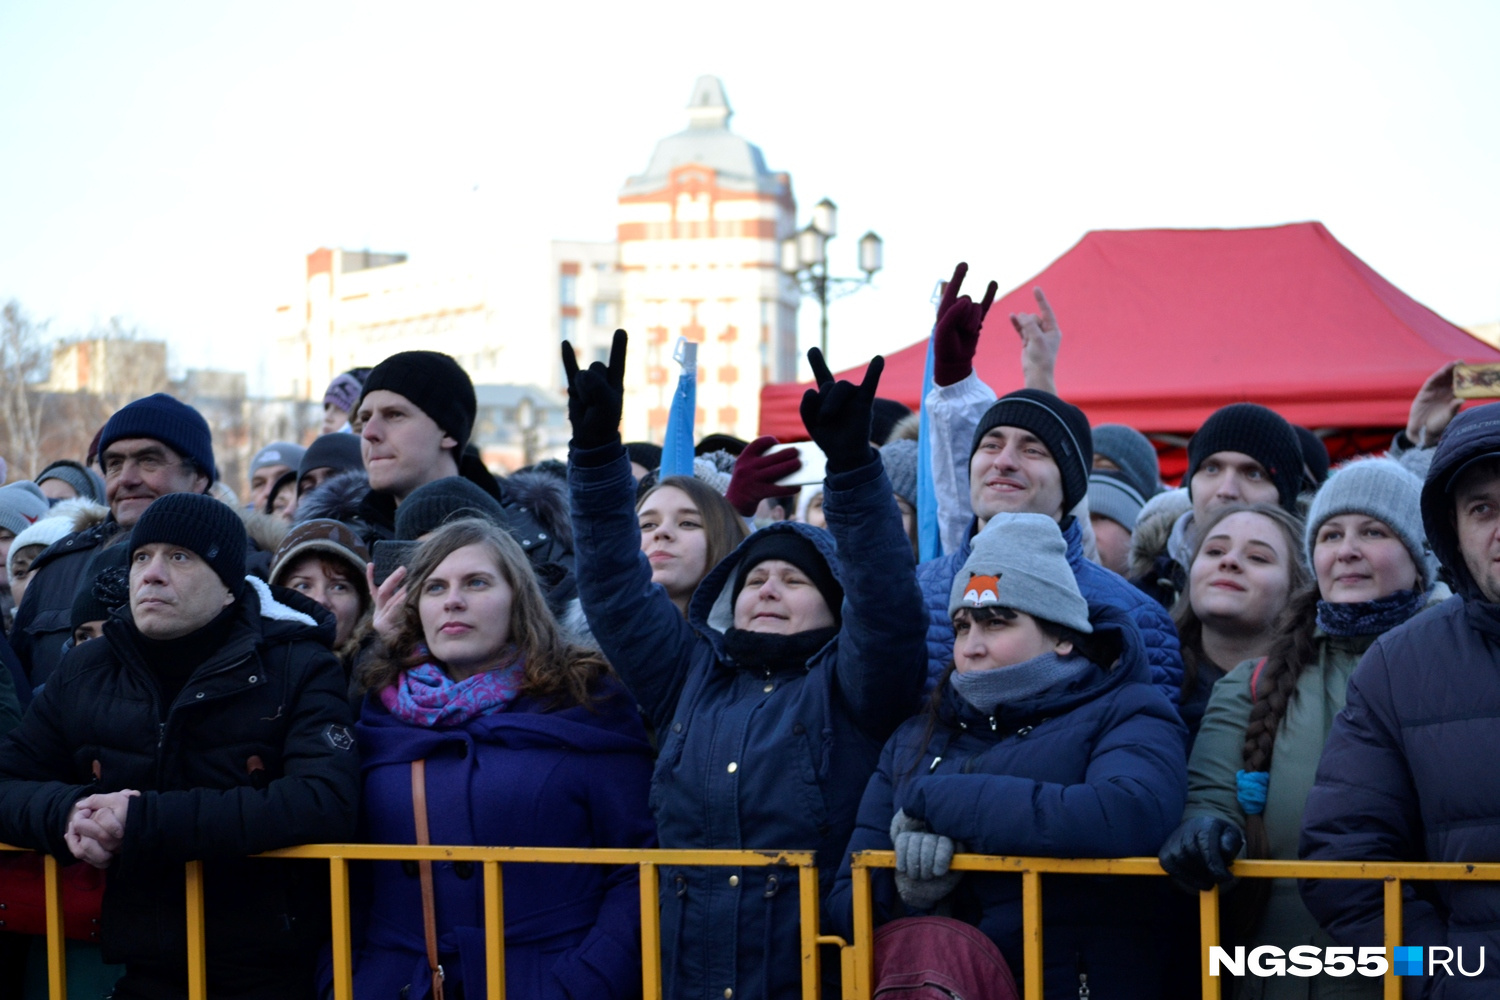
column 254, row 754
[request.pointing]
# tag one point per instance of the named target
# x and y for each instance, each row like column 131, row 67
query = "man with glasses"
column 149, row 448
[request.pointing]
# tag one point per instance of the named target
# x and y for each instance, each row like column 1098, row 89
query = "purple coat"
column 524, row 777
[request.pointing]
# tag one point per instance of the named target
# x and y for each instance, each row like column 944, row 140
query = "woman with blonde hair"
column 482, row 725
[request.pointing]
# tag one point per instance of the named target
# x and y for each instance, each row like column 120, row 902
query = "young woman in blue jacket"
column 798, row 658
column 1045, row 737
column 527, row 741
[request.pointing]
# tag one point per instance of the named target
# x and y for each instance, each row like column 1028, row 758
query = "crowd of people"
column 387, row 643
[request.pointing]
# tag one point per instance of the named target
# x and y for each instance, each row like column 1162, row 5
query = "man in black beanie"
column 214, row 726
column 149, row 448
column 1031, row 453
column 1243, row 453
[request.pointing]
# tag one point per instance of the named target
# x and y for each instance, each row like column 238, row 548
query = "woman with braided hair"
column 1263, row 732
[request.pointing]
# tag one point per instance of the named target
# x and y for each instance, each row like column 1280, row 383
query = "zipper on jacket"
column 161, row 734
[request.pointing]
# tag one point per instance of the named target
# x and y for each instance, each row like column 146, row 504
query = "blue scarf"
column 1370, row 617
column 426, row 696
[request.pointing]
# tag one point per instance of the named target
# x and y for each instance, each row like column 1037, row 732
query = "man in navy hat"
column 148, row 449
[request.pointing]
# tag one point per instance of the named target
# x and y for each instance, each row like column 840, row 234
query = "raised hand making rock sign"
column 596, row 396
column 956, row 336
column 837, row 414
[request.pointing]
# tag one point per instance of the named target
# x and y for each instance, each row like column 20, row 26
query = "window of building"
column 567, row 289
column 567, row 327
column 601, row 314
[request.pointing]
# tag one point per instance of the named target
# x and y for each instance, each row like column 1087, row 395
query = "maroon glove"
column 755, row 475
column 956, row 336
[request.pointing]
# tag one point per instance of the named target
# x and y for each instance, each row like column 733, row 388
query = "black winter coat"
column 255, row 753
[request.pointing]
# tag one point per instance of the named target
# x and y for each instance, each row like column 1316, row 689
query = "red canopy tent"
column 1161, row 327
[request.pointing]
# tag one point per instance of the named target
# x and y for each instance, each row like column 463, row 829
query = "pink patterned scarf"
column 426, row 696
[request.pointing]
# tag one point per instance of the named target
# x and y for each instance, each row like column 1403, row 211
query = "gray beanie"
column 900, row 460
column 277, row 453
column 1020, row 561
column 85, row 481
column 1112, row 496
column 1381, row 488
column 1132, row 454
column 22, row 504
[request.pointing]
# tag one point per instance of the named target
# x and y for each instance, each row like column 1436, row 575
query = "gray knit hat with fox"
column 1020, row 561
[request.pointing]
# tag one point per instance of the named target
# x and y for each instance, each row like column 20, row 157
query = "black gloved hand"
column 837, row 414
column 596, row 395
column 1198, row 852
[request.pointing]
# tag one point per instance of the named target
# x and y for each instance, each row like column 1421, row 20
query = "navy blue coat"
column 1408, row 771
column 1092, row 769
column 748, row 760
column 526, row 777
column 1099, row 586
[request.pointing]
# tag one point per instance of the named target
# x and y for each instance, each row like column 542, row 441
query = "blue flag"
column 929, row 533
column 677, row 447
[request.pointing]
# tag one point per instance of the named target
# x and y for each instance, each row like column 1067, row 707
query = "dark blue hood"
column 711, row 610
column 1472, row 433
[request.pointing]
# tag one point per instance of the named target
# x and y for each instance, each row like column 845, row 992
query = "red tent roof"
column 1161, row 327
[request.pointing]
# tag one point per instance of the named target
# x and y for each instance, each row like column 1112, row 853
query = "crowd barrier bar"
column 1031, row 870
column 857, row 957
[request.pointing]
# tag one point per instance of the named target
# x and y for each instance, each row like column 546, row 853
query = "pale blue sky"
column 173, row 163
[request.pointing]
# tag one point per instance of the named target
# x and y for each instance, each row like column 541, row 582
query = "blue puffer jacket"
column 1099, row 586
column 749, row 760
column 1093, row 769
column 1408, row 771
column 529, row 776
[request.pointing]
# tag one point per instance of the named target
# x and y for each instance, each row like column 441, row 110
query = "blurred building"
column 109, row 367
column 586, row 307
column 698, row 236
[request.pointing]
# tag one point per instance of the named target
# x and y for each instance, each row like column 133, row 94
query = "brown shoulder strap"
column 424, row 868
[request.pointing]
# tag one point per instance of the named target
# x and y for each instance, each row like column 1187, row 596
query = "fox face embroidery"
column 982, row 590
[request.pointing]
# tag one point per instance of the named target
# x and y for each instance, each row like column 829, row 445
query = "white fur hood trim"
column 273, row 609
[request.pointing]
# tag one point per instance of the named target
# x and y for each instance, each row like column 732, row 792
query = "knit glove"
column 837, row 415
column 1198, row 852
column 596, row 396
column 956, row 336
column 755, row 475
column 922, row 858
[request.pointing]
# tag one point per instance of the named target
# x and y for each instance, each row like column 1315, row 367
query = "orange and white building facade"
column 698, row 238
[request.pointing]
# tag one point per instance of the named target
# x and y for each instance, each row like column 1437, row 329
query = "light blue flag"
column 929, row 533
column 677, row 447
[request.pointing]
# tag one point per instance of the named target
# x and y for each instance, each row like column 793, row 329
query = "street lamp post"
column 804, row 258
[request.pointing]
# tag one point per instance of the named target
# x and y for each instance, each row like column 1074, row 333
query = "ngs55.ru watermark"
column 1308, row 960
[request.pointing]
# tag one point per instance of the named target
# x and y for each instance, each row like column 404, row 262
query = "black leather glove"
column 837, row 414
column 1198, row 852
column 596, row 395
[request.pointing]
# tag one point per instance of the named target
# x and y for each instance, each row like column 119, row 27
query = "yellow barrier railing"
column 857, row 957
column 1031, row 870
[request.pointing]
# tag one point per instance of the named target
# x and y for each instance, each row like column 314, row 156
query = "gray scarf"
column 987, row 690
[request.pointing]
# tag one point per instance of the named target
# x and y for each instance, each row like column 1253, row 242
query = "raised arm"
column 634, row 621
column 882, row 653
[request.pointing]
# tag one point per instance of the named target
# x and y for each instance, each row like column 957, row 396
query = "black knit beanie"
column 1061, row 426
column 208, row 528
column 435, row 384
column 789, row 546
column 434, row 504
column 1253, row 430
column 645, row 453
column 885, row 414
column 164, row 419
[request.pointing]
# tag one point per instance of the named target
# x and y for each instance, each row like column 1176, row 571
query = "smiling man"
column 1031, row 453
column 149, row 448
column 209, row 722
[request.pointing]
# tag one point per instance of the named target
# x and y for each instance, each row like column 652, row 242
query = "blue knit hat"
column 162, row 418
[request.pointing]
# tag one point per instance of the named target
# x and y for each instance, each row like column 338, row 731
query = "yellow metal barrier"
column 857, row 957
column 1392, row 873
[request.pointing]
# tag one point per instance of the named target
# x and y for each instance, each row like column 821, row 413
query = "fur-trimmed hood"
column 546, row 496
column 338, row 498
column 81, row 513
column 1154, row 527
